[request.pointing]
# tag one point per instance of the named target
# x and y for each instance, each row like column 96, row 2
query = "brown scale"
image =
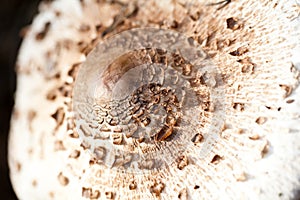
column 144, row 96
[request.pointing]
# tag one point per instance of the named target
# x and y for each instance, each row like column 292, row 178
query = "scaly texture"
column 253, row 44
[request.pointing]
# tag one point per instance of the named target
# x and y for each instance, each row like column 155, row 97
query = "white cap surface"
column 255, row 46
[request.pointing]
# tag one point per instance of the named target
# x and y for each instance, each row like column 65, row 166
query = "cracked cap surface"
column 254, row 45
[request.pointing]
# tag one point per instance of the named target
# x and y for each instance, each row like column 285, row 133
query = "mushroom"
column 158, row 99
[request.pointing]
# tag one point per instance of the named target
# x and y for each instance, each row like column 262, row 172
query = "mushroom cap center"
column 139, row 100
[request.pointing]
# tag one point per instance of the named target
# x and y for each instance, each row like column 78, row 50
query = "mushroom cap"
column 254, row 151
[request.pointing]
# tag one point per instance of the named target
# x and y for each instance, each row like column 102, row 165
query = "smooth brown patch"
column 86, row 192
column 254, row 137
column 265, row 149
column 247, row 65
column 240, row 131
column 75, row 154
column 74, row 70
column 63, row 180
column 240, row 51
column 74, row 135
column 261, row 120
column 109, row 195
column 99, row 28
column 51, row 195
column 71, row 130
column 239, row 106
column 232, row 23
column 52, row 94
column 34, row 183
column 182, row 162
column 84, row 28
column 216, row 159
column 65, row 90
column 247, row 69
column 57, row 13
column 290, row 101
column 59, row 116
column 174, row 24
column 41, row 35
column 67, row 44
column 85, row 145
column 30, row 116
column 241, row 177
column 95, row 194
column 59, row 145
column 132, row 185
column 157, row 188
column 164, row 133
column 117, row 138
column 220, row 44
column 30, row 151
column 197, row 138
column 195, row 15
column 18, row 166
column 183, row 194
column 288, row 90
